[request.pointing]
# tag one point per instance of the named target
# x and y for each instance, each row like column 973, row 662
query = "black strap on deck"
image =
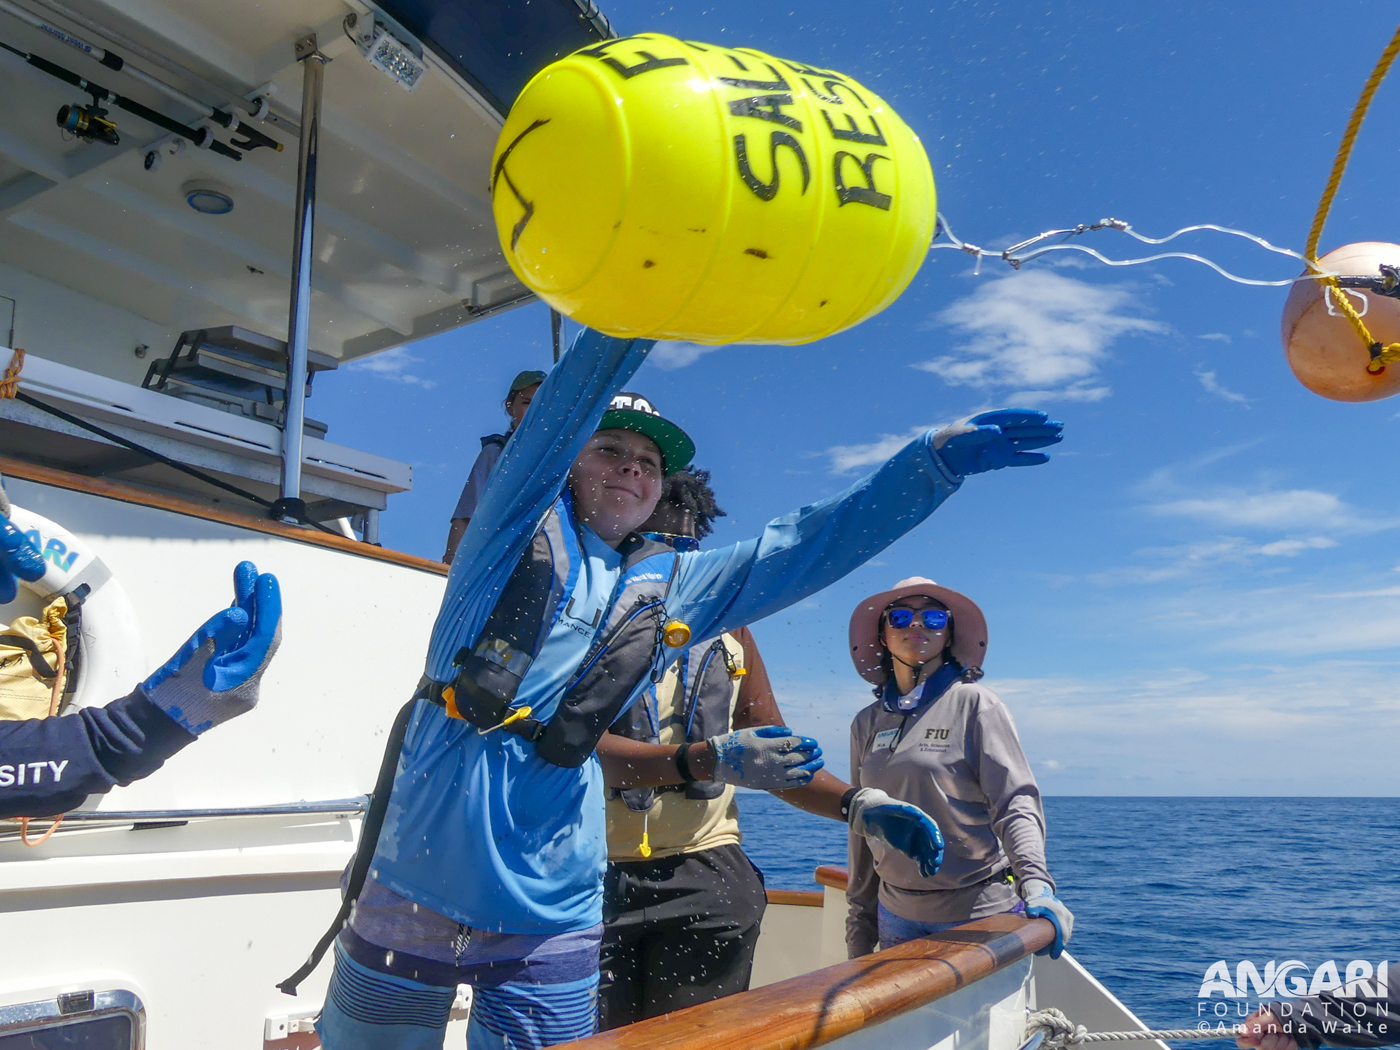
column 364, row 852
column 193, row 472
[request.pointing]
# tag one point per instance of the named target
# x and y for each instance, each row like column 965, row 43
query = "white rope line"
column 1016, row 256
column 1062, row 1034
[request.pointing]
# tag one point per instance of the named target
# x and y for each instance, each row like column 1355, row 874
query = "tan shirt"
column 676, row 824
column 960, row 761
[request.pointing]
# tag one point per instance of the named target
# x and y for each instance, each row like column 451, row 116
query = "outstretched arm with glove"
column 50, row 765
column 806, row 550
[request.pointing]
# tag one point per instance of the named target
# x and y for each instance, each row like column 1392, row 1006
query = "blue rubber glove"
column 899, row 825
column 215, row 675
column 1041, row 903
column 18, row 558
column 771, row 758
column 996, row 439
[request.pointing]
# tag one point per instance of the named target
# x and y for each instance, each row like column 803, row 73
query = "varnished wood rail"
column 824, row 1005
column 800, row 898
column 831, row 875
column 117, row 490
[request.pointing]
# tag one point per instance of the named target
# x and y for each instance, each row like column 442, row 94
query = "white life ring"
column 113, row 660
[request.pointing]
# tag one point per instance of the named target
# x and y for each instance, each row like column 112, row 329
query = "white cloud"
column 1291, row 509
column 393, row 364
column 1040, row 333
column 847, row 458
column 1173, row 563
column 1291, row 548
column 670, row 354
column 1217, row 388
column 1217, row 337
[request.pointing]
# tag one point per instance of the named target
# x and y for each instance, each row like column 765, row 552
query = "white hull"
column 202, row 920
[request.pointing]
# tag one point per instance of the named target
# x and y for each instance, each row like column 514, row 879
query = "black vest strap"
column 490, row 671
column 704, row 712
column 627, row 652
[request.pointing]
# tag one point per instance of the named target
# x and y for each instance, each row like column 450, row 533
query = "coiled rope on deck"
column 1063, row 1034
column 1381, row 355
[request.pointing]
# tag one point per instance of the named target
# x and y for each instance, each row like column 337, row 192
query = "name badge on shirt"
column 886, row 740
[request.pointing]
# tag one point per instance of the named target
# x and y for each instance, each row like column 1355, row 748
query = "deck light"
column 386, row 51
column 207, row 198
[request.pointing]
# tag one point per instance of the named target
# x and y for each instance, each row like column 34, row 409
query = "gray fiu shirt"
column 960, row 761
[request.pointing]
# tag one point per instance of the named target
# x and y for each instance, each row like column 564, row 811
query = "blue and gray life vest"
column 706, row 679
column 627, row 649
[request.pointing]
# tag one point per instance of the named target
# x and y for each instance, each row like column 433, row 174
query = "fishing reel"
column 89, row 123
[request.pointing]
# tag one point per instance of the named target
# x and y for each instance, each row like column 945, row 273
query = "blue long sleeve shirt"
column 480, row 829
column 50, row 765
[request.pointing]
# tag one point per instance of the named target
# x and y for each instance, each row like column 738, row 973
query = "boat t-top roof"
column 404, row 241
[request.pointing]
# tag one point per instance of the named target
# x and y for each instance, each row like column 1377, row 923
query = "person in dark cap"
column 521, row 393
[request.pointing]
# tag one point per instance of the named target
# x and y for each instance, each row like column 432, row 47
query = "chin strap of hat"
column 364, row 852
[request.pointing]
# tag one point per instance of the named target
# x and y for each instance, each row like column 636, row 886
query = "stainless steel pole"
column 291, row 507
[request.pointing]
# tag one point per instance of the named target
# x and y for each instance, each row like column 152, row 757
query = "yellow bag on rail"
column 650, row 186
column 30, row 662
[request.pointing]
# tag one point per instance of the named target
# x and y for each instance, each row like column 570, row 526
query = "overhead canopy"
column 405, row 244
column 497, row 45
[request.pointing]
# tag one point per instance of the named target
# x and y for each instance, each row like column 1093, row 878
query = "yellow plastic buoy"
column 1324, row 350
column 653, row 187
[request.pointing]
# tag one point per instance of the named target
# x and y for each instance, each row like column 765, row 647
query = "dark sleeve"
column 1329, row 1019
column 49, row 765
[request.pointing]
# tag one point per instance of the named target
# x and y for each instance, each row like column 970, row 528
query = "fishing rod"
column 91, row 123
column 252, row 137
column 256, row 105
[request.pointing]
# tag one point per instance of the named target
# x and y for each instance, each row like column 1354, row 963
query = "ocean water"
column 1161, row 888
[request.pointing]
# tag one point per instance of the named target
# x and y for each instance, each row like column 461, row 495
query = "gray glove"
column 771, row 758
column 215, row 675
column 1041, row 903
column 903, row 826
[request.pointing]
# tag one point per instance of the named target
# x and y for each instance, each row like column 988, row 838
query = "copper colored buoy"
column 1323, row 349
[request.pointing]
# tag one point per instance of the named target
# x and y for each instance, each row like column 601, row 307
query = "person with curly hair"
column 682, row 902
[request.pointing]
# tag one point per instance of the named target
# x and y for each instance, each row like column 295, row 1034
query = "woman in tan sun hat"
column 938, row 740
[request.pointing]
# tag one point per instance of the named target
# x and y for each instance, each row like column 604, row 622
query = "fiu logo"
column 935, row 734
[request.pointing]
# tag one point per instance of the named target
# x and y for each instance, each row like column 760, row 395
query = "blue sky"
column 1201, row 594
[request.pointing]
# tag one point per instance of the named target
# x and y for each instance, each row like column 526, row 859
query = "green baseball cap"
column 529, row 377
column 630, row 411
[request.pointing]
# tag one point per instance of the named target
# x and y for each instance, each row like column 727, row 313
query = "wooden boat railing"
column 827, row 1004
column 63, row 479
column 833, row 876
